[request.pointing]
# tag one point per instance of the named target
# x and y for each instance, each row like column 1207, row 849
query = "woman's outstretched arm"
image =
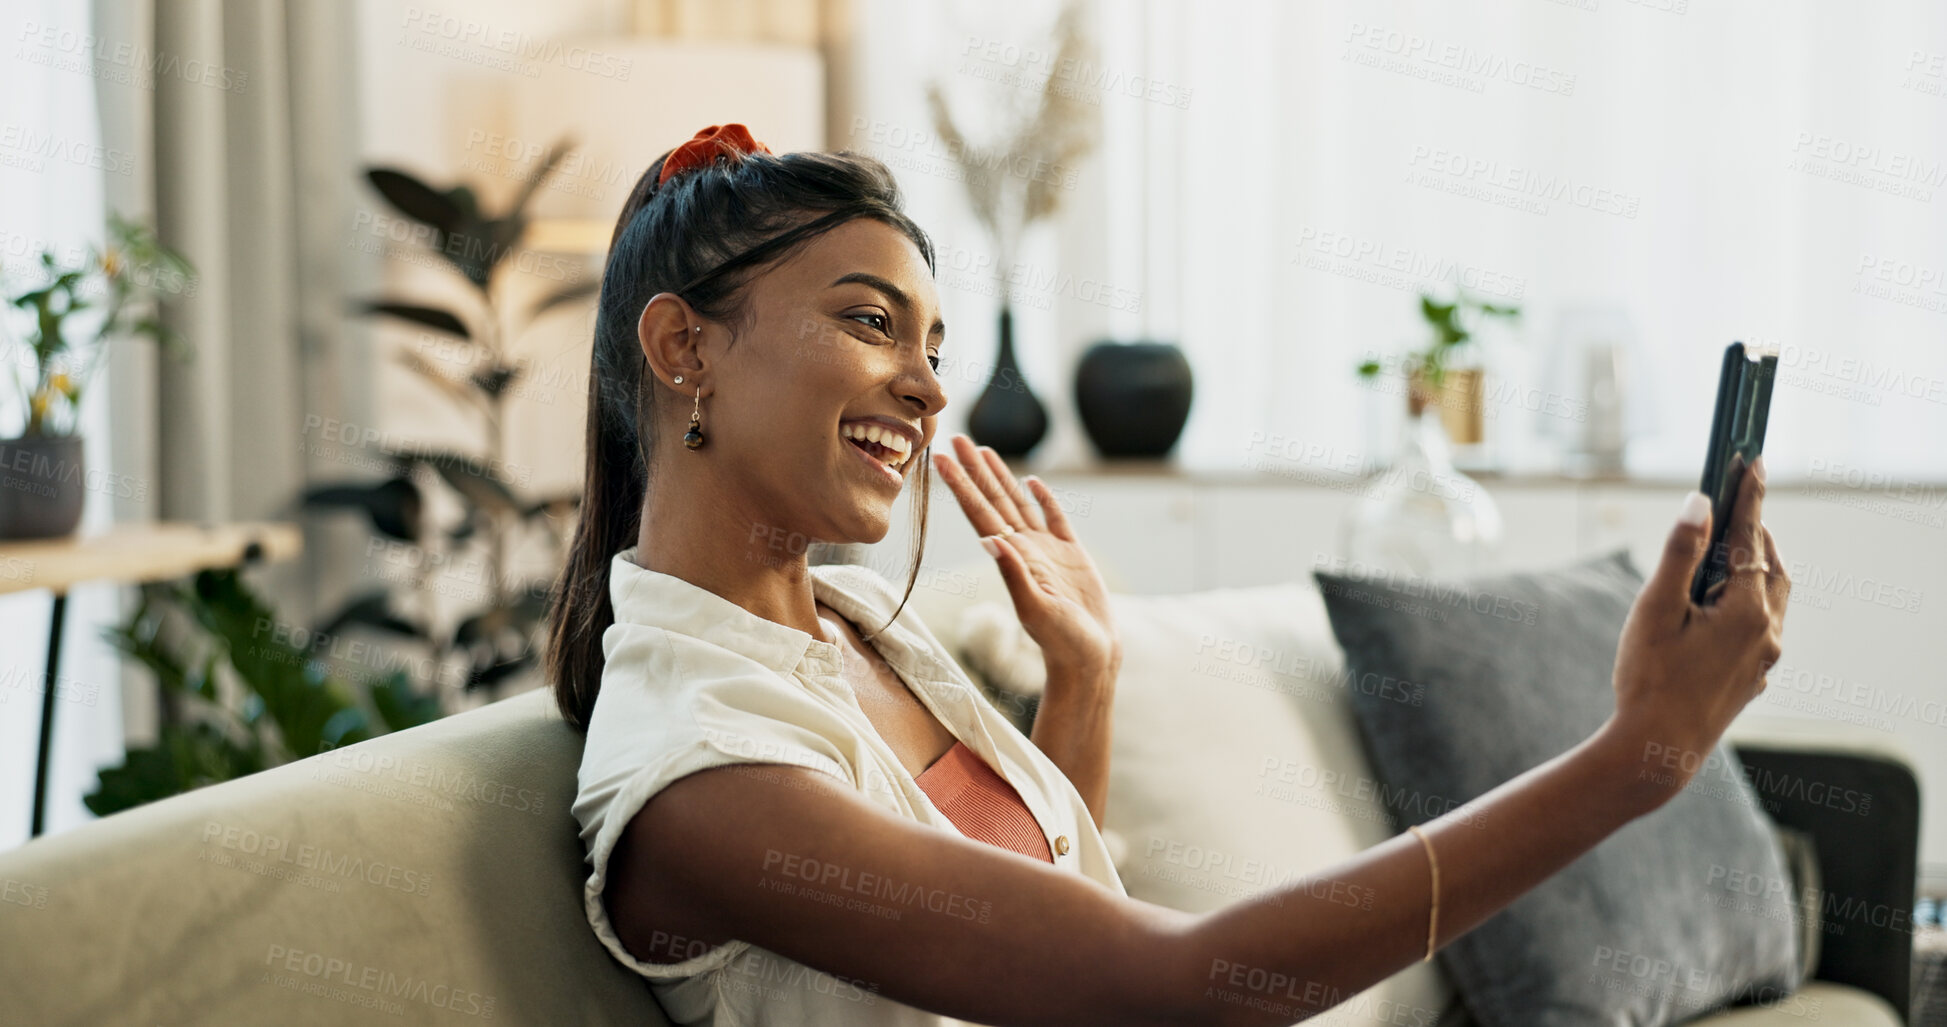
column 799, row 864
column 793, row 861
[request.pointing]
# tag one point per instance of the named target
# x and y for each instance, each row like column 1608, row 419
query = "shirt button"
column 1061, row 845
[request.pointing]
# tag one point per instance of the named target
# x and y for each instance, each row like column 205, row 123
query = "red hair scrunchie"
column 708, row 146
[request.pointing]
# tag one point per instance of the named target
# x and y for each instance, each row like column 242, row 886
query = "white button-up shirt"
column 694, row 681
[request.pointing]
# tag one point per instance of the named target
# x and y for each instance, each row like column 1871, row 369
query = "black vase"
column 42, row 484
column 1133, row 397
column 1007, row 417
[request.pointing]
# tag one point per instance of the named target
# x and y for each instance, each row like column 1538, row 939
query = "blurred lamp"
column 1589, row 370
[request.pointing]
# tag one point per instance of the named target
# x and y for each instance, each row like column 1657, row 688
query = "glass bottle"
column 1421, row 516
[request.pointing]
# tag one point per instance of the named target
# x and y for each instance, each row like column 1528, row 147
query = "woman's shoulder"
column 667, row 683
column 677, row 704
column 857, row 580
column 866, row 597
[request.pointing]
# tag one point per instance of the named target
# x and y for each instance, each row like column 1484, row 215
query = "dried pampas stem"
column 1062, row 130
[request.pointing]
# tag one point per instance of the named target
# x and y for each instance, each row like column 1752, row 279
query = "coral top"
column 982, row 804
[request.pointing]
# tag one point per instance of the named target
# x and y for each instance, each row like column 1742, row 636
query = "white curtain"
column 1774, row 174
column 1278, row 181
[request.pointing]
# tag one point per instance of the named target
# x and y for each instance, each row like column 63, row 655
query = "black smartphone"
column 1736, row 439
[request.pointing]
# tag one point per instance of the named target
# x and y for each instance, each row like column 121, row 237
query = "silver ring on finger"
column 1761, row 566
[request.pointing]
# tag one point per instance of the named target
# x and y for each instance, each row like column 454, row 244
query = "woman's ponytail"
column 614, row 481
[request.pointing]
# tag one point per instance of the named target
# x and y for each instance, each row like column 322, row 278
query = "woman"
column 796, row 808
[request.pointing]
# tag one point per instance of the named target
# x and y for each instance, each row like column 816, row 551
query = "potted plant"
column 495, row 639
column 1431, row 377
column 1421, row 514
column 107, row 292
column 236, row 698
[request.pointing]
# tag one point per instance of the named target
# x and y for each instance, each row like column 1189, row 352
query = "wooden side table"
column 128, row 553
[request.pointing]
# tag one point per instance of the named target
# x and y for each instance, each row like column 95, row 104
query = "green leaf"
column 460, row 235
column 494, row 380
column 136, row 639
column 549, row 161
column 393, row 506
column 484, row 629
column 472, row 479
column 508, row 628
column 415, row 199
column 428, row 317
column 344, row 727
column 553, row 506
column 399, row 706
column 144, row 776
column 373, row 610
column 474, row 251
column 467, row 203
column 184, row 758
column 206, row 677
column 308, row 709
column 172, row 342
column 572, row 294
column 488, row 673
column 1369, row 369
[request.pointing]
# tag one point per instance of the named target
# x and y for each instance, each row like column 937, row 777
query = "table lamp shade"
column 642, row 96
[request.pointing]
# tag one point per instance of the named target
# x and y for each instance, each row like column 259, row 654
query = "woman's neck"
column 717, row 546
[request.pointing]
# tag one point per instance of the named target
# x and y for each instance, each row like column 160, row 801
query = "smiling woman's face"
column 823, row 407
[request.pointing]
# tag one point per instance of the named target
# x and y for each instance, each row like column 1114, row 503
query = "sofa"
column 434, row 875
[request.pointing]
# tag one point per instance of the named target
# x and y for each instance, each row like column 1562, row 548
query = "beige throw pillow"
column 1236, row 765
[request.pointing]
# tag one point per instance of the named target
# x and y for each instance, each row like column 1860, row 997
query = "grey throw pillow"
column 1682, row 911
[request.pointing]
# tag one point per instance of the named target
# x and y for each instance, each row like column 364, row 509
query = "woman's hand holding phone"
column 1684, row 670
